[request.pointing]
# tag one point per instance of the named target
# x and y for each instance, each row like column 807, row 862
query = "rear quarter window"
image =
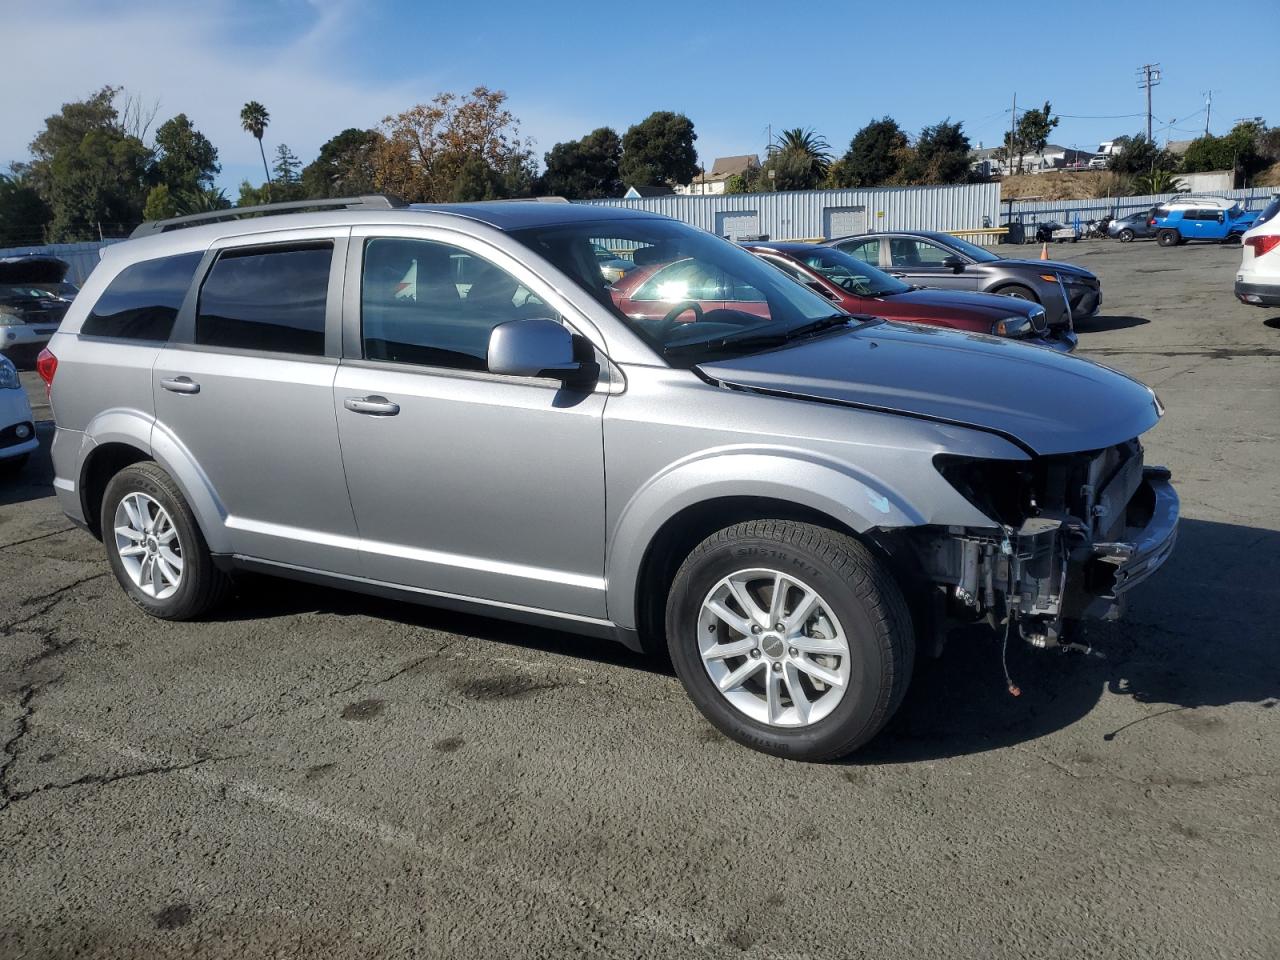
column 143, row 300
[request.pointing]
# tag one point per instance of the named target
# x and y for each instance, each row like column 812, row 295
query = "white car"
column 1258, row 281
column 17, row 425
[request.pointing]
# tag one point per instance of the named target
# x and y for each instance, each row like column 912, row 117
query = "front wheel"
column 1168, row 238
column 155, row 547
column 1018, row 292
column 1126, row 235
column 790, row 638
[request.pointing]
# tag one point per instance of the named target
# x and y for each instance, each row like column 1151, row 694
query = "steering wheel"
column 683, row 307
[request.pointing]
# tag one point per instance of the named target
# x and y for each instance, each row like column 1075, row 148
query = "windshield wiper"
column 751, row 340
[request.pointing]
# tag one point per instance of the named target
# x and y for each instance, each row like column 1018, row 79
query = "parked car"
column 1200, row 218
column 1068, row 293
column 34, row 295
column 1258, row 281
column 789, row 498
column 1132, row 227
column 860, row 288
column 17, row 425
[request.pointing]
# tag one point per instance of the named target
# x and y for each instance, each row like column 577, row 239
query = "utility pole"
column 1148, row 77
column 1208, row 107
column 1013, row 119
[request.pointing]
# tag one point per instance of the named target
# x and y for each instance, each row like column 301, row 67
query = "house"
column 715, row 182
column 652, row 190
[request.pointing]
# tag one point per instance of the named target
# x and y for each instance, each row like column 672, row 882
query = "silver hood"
column 1047, row 402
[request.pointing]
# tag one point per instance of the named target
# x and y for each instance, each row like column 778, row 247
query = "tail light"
column 1263, row 244
column 46, row 367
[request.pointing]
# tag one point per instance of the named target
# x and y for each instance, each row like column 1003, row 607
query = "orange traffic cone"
column 1044, row 251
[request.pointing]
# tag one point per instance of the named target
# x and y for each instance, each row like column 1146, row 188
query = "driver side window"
column 435, row 304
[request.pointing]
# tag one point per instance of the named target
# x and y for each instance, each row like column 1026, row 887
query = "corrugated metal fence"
column 82, row 257
column 810, row 214
column 1068, row 211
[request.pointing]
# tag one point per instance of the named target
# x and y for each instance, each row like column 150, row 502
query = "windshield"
column 692, row 296
column 36, row 291
column 851, row 274
column 971, row 250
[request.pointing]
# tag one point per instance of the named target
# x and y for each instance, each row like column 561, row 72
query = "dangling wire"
column 1014, row 689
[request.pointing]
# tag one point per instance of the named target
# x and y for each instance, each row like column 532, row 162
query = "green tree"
column 161, row 203
column 287, row 167
column 876, row 156
column 476, row 180
column 1137, row 155
column 1030, row 135
column 941, row 155
column 254, row 119
column 185, row 159
column 251, row 196
column 585, row 169
column 344, row 167
column 1238, row 150
column 659, row 149
column 23, row 215
column 92, row 174
column 1155, row 181
column 800, row 160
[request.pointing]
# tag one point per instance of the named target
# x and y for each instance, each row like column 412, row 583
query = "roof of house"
column 1178, row 146
column 651, row 190
column 725, row 167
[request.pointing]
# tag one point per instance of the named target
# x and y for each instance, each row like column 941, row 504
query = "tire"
column 199, row 585
column 1126, row 235
column 858, row 610
column 1168, row 238
column 1018, row 292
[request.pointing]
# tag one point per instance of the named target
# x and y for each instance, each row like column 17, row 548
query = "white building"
column 715, row 182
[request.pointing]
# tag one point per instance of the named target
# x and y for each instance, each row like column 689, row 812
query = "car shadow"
column 34, row 480
column 1200, row 633
column 1272, row 322
column 1102, row 324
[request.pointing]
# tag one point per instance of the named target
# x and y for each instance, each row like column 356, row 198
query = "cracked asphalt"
column 316, row 774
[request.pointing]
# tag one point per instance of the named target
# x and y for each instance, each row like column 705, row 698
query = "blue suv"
column 1207, row 218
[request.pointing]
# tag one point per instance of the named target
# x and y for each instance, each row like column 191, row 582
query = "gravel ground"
column 321, row 775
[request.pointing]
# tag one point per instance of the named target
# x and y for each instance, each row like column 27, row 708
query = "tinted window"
column 265, row 298
column 868, row 251
column 916, row 253
column 434, row 304
column 143, row 300
column 1269, row 211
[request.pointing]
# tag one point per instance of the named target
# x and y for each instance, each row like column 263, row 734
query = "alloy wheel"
column 774, row 648
column 148, row 544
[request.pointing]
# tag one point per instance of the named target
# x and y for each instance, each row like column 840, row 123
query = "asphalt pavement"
column 315, row 774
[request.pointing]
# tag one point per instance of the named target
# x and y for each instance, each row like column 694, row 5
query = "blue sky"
column 570, row 67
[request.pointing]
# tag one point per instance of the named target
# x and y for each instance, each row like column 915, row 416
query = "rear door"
column 465, row 483
column 245, row 388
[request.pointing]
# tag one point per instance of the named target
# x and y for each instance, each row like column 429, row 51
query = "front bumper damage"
column 1055, row 569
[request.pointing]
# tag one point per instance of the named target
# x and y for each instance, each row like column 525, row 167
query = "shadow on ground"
column 1200, row 633
column 1102, row 324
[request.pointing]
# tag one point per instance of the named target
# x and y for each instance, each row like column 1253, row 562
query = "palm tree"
column 1157, row 181
column 254, row 118
column 806, row 143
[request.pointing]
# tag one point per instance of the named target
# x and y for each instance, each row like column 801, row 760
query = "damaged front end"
column 1074, row 533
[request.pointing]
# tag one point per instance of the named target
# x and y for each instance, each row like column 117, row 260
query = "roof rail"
column 374, row 201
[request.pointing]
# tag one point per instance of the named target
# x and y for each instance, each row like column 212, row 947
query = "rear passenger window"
column 143, row 300
column 270, row 299
column 435, row 304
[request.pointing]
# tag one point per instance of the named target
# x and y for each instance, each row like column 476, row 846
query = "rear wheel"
column 1126, row 235
column 155, row 548
column 790, row 638
column 1168, row 238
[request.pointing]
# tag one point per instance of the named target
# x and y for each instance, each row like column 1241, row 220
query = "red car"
column 858, row 287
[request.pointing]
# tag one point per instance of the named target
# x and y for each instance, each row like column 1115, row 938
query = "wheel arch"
column 1004, row 285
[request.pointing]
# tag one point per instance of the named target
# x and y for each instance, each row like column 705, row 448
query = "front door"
column 464, row 483
column 920, row 262
column 246, row 387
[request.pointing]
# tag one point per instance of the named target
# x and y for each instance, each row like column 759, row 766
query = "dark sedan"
column 34, row 295
column 1067, row 292
column 1133, row 227
column 861, row 288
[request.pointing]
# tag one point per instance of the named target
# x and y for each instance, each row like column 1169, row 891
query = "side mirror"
column 954, row 264
column 1222, row 218
column 541, row 348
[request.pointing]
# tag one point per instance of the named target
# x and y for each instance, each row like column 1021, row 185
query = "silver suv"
column 452, row 404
